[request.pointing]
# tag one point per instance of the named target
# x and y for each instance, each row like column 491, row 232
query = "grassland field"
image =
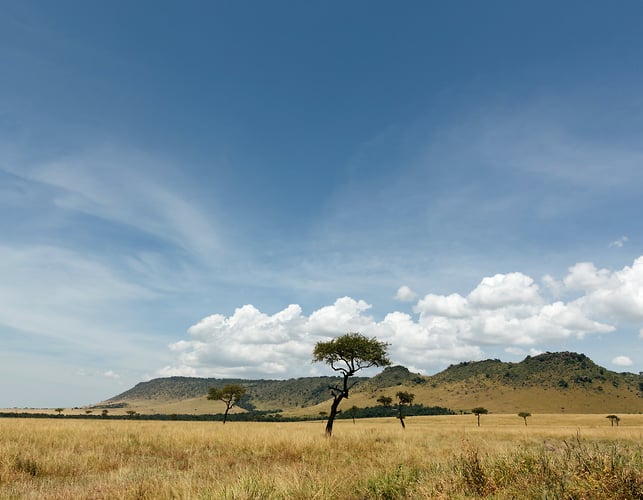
column 442, row 457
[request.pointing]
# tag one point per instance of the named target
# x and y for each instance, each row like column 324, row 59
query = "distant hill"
column 547, row 383
column 263, row 394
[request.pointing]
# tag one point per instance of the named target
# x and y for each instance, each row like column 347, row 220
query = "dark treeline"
column 391, row 411
column 251, row 416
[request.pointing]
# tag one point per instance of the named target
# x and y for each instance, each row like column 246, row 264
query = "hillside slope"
column 547, row 383
column 261, row 394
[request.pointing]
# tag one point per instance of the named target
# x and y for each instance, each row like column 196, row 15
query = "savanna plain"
column 553, row 456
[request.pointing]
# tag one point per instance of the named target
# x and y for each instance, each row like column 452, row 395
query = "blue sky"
column 209, row 188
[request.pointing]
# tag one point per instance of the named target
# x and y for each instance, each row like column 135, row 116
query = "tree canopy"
column 479, row 410
column 385, row 401
column 403, row 398
column 351, row 352
column 524, row 415
column 229, row 394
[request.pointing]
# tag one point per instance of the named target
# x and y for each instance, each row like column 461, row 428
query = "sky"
column 209, row 188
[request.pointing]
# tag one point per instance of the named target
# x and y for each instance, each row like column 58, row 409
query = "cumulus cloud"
column 622, row 361
column 506, row 311
column 584, row 276
column 405, row 294
column 111, row 374
column 617, row 295
column 451, row 306
column 554, row 286
column 504, row 290
column 255, row 344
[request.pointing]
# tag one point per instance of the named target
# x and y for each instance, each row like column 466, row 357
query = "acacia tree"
column 385, row 401
column 524, row 415
column 352, row 411
column 230, row 394
column 614, row 419
column 403, row 398
column 479, row 411
column 347, row 355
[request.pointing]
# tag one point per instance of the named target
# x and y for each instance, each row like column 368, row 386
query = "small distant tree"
column 614, row 419
column 352, row 411
column 347, row 355
column 60, row 410
column 323, row 415
column 403, row 399
column 104, row 413
column 524, row 415
column 385, row 401
column 131, row 413
column 230, row 394
column 88, row 411
column 479, row 411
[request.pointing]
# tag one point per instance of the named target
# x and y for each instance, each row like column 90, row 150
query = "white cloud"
column 622, row 361
column 405, row 294
column 252, row 343
column 451, row 306
column 618, row 243
column 585, row 277
column 617, row 295
column 554, row 286
column 248, row 341
column 344, row 315
column 111, row 374
column 506, row 311
column 504, row 290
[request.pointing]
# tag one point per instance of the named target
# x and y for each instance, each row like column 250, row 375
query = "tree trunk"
column 333, row 414
column 225, row 415
column 337, row 398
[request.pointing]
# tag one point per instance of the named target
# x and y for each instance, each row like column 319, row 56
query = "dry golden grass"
column 556, row 456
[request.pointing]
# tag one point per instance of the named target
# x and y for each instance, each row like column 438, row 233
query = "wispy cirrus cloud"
column 126, row 188
column 619, row 242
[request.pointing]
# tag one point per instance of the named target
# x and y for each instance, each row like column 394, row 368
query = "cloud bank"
column 509, row 311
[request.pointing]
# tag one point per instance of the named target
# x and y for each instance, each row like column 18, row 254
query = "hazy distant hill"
column 550, row 382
